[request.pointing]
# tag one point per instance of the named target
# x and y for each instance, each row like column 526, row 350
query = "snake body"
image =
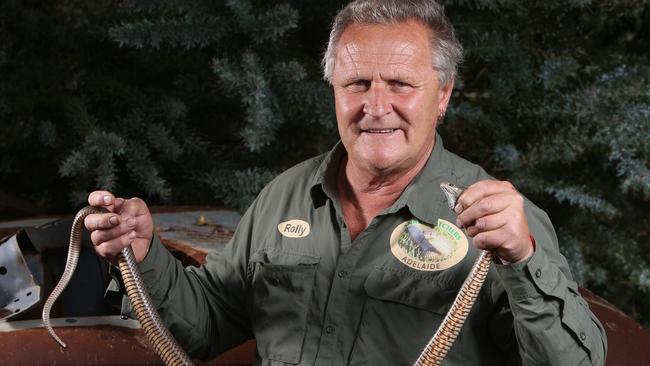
column 436, row 350
column 158, row 335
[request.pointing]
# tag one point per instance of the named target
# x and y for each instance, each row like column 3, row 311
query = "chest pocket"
column 401, row 313
column 283, row 285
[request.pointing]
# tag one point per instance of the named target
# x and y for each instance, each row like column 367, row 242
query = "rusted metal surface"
column 191, row 233
column 202, row 229
column 628, row 342
column 107, row 340
column 102, row 341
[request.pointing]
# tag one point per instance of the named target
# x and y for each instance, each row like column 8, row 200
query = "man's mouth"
column 380, row 131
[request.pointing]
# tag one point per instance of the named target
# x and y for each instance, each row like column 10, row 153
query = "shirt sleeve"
column 205, row 308
column 552, row 322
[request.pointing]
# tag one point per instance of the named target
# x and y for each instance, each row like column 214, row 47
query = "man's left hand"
column 493, row 214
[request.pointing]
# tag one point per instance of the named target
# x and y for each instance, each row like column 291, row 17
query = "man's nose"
column 377, row 102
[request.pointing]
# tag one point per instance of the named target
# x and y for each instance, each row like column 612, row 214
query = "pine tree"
column 285, row 111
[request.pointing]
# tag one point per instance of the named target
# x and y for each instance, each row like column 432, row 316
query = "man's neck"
column 363, row 195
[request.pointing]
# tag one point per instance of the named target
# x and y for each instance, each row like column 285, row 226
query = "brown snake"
column 437, row 348
column 158, row 335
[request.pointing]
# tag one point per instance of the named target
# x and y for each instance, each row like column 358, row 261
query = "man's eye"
column 400, row 84
column 359, row 85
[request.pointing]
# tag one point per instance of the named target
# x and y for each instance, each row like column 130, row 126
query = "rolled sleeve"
column 553, row 323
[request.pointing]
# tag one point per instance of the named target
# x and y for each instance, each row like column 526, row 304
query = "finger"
column 134, row 207
column 490, row 240
column 102, row 199
column 112, row 248
column 483, row 207
column 487, row 223
column 126, row 225
column 104, row 221
column 480, row 190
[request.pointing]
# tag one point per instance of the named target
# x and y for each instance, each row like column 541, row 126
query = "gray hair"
column 447, row 51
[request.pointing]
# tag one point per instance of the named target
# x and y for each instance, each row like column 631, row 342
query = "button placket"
column 339, row 293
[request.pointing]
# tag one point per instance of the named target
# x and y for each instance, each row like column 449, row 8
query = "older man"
column 351, row 257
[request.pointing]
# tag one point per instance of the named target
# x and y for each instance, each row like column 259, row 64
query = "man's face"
column 387, row 96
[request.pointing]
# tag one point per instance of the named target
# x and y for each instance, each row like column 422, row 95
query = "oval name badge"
column 294, row 228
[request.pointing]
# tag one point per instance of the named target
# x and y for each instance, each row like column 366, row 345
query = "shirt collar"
column 422, row 196
column 324, row 181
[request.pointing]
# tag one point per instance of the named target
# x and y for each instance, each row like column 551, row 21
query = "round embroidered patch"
column 428, row 248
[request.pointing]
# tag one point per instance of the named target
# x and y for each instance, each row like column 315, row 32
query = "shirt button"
column 538, row 273
column 275, row 281
column 329, row 329
column 343, row 274
column 583, row 336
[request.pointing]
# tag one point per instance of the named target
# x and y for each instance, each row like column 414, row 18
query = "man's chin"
column 380, row 165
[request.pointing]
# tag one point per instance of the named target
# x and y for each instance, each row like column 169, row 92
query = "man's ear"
column 444, row 95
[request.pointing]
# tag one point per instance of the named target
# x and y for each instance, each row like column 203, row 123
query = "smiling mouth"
column 380, row 131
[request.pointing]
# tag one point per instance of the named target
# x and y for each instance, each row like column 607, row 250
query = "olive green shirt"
column 311, row 296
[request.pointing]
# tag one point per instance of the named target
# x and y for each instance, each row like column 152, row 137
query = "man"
column 352, row 257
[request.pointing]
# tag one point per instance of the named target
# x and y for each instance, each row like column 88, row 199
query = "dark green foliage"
column 555, row 97
column 245, row 184
column 203, row 102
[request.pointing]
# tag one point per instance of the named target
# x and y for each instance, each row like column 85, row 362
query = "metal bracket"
column 18, row 291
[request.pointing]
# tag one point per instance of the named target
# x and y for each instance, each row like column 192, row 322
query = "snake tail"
column 162, row 341
column 74, row 248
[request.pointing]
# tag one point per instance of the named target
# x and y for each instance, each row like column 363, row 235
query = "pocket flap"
column 283, row 257
column 410, row 290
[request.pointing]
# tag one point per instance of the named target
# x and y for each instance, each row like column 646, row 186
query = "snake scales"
column 158, row 335
column 437, row 348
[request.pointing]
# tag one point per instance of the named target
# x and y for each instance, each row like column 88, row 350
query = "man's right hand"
column 127, row 223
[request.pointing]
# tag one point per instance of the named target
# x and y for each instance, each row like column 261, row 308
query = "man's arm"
column 205, row 308
column 552, row 322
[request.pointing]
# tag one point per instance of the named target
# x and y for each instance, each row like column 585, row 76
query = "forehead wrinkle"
column 403, row 54
column 348, row 60
column 355, row 60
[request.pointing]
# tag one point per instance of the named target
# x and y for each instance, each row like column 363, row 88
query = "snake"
column 160, row 338
column 436, row 349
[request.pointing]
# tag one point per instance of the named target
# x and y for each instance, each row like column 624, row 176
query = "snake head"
column 452, row 192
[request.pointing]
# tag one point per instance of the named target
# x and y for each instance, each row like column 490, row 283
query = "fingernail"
column 114, row 220
column 130, row 222
column 132, row 235
column 458, row 223
column 107, row 200
column 458, row 209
